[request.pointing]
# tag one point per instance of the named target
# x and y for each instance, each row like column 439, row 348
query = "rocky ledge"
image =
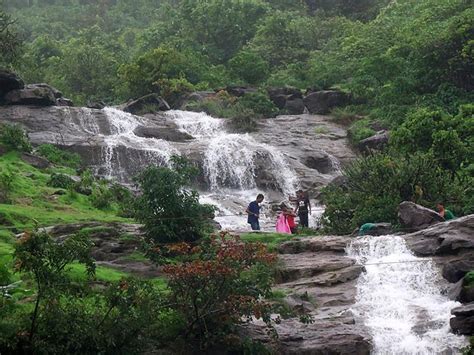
column 451, row 244
column 319, row 281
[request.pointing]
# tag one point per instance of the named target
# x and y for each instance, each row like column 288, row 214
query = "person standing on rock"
column 303, row 208
column 253, row 212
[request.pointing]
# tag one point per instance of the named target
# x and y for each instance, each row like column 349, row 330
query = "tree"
column 249, row 66
column 170, row 211
column 9, row 40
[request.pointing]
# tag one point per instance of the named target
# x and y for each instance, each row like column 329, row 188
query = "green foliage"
column 61, row 181
column 101, row 196
column 13, row 137
column 9, row 40
column 259, row 103
column 6, row 186
column 249, row 67
column 58, row 156
column 377, row 184
column 360, row 130
column 169, row 210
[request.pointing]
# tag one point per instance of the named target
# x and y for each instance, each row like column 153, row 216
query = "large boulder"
column 240, row 91
column 322, row 102
column 9, row 81
column 166, row 133
column 62, row 101
column 463, row 320
column 33, row 94
column 454, row 270
column 146, row 104
column 288, row 98
column 376, row 142
column 294, row 106
column 414, row 217
column 35, row 161
column 454, row 237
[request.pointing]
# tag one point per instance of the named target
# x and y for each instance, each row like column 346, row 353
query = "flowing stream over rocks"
column 400, row 299
column 286, row 153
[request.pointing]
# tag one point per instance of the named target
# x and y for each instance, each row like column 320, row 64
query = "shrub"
column 243, row 119
column 124, row 198
column 377, row 184
column 169, row 211
column 223, row 282
column 59, row 156
column 60, row 181
column 101, row 196
column 259, row 103
column 13, row 137
column 249, row 66
column 6, row 186
column 360, row 130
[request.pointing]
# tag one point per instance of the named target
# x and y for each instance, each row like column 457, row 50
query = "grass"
column 469, row 279
column 34, row 203
column 321, row 130
column 272, row 240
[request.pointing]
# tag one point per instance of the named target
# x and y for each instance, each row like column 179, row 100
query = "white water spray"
column 401, row 303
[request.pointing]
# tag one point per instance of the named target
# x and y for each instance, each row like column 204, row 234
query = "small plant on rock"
column 13, row 137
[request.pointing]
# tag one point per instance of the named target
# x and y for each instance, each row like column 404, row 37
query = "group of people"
column 286, row 222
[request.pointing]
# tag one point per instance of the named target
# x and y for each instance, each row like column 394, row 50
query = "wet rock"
column 294, row 106
column 9, row 81
column 315, row 244
column 322, row 102
column 36, row 161
column 169, row 134
column 461, row 291
column 62, row 101
column 299, row 305
column 376, row 142
column 454, row 270
column 146, row 104
column 463, row 320
column 240, row 91
column 38, row 95
column 99, row 105
column 308, row 264
column 448, row 238
column 321, row 163
column 414, row 217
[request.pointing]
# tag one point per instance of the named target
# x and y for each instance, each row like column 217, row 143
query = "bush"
column 360, row 130
column 249, row 67
column 259, row 103
column 377, row 184
column 6, row 186
column 13, row 137
column 59, row 156
column 101, row 196
column 61, row 181
column 169, row 211
column 223, row 282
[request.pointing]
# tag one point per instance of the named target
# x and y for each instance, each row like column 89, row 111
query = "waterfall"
column 230, row 159
column 399, row 299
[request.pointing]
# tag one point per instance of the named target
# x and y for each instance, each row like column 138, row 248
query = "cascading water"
column 399, row 299
column 122, row 126
column 231, row 166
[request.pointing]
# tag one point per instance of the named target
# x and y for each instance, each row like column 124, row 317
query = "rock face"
column 376, row 142
column 320, row 281
column 31, row 95
column 463, row 320
column 36, row 161
column 168, row 134
column 114, row 245
column 9, row 81
column 322, row 102
column 287, row 98
column 147, row 104
column 414, row 217
column 452, row 246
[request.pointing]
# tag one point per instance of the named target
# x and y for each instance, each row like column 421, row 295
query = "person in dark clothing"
column 303, row 208
column 253, row 212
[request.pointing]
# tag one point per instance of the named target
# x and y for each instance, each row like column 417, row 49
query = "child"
column 282, row 225
column 290, row 218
